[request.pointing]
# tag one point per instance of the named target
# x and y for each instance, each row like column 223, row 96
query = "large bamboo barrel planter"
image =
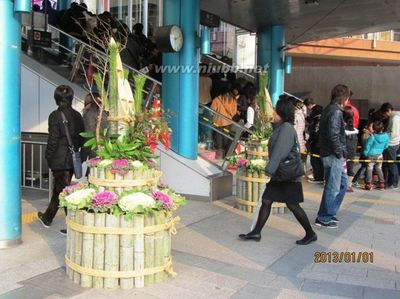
column 250, row 185
column 110, row 252
column 104, row 251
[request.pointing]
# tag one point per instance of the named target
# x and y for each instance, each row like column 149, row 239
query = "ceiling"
column 306, row 22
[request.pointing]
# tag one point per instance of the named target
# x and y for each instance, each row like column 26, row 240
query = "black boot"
column 307, row 239
column 250, row 236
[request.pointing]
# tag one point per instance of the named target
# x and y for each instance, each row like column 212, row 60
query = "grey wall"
column 374, row 84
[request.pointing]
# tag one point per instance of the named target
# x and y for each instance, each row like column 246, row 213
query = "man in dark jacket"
column 332, row 141
column 58, row 154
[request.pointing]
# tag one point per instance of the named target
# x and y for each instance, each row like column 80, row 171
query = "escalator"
column 41, row 72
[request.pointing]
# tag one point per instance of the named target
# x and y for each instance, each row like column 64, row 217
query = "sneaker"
column 327, row 225
column 335, row 220
column 393, row 187
column 43, row 221
column 381, row 187
column 312, row 181
column 349, row 189
column 368, row 186
column 63, row 232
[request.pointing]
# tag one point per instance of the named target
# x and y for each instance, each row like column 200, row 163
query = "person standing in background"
column 313, row 140
column 391, row 152
column 356, row 113
column 351, row 144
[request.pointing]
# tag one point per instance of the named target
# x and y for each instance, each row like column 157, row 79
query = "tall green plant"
column 140, row 80
column 262, row 96
column 113, row 49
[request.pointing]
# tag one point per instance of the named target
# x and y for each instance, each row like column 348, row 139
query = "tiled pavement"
column 212, row 263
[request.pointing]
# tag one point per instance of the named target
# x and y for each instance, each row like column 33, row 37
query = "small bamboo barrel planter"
column 250, row 185
column 110, row 252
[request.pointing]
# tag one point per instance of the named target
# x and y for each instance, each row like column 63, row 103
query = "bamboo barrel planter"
column 110, row 252
column 250, row 185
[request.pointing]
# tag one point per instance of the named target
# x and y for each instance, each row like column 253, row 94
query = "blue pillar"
column 180, row 89
column 63, row 4
column 10, row 149
column 271, row 41
column 205, row 41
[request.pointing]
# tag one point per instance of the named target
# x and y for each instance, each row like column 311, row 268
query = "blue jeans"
column 393, row 172
column 335, row 188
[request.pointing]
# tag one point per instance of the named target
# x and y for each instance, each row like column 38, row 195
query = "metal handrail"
column 231, row 67
column 97, row 52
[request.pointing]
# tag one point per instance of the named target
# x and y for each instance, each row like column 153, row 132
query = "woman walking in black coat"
column 283, row 148
column 58, row 154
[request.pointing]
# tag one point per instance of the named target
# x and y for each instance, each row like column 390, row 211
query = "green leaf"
column 87, row 134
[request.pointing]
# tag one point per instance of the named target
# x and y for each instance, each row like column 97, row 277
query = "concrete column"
column 181, row 89
column 10, row 131
column 271, row 41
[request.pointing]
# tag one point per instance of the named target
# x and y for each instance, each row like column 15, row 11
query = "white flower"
column 258, row 163
column 137, row 164
column 105, row 163
column 78, row 196
column 129, row 202
column 264, row 142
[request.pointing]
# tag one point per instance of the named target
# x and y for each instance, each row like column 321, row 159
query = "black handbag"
column 76, row 156
column 290, row 169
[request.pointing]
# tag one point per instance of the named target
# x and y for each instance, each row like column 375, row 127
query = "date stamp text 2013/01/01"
column 321, row 257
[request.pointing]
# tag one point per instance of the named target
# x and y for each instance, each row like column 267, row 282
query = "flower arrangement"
column 135, row 201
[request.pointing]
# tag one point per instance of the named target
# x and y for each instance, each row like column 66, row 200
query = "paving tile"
column 319, row 276
column 256, row 292
column 374, row 282
column 332, row 289
column 372, row 293
column 390, row 275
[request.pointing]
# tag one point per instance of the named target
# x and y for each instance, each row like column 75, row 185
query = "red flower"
column 151, row 142
column 165, row 138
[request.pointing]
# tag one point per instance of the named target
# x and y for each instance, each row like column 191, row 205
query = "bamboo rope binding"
column 254, row 153
column 125, row 118
column 119, row 274
column 125, row 183
column 254, row 180
column 124, row 231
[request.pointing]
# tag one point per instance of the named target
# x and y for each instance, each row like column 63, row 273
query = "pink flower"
column 104, row 198
column 242, row 162
column 94, row 162
column 164, row 198
column 71, row 188
column 162, row 185
column 120, row 166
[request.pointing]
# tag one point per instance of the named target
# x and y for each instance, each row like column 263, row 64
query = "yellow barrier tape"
column 356, row 160
column 119, row 274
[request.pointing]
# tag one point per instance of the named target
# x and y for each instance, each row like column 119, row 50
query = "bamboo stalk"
column 249, row 191
column 70, row 243
column 78, row 246
column 101, row 174
column 98, row 259
column 255, row 192
column 166, row 246
column 126, row 254
column 110, row 176
column 128, row 176
column 238, row 186
column 93, row 171
column 138, row 221
column 244, row 190
column 111, row 255
column 149, row 250
column 119, row 177
column 159, row 248
column 261, row 185
column 87, row 250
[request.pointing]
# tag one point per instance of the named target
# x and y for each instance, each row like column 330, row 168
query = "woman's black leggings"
column 297, row 211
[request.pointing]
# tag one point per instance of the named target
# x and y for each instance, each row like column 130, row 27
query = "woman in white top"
column 251, row 112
